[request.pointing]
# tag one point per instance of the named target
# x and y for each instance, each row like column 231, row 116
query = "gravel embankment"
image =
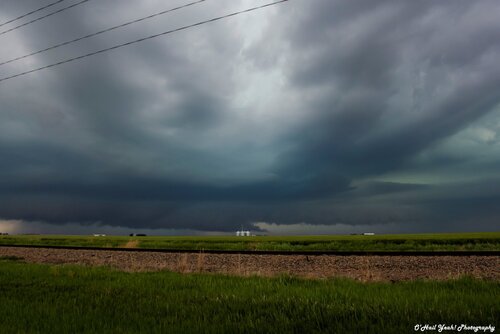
column 364, row 268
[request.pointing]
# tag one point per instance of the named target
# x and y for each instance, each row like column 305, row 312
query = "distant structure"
column 137, row 235
column 368, row 233
column 99, row 235
column 243, row 233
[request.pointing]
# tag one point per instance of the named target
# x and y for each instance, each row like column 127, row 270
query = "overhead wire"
column 101, row 32
column 43, row 17
column 32, row 12
column 142, row 40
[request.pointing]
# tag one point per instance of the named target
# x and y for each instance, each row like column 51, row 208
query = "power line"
column 43, row 17
column 32, row 12
column 141, row 40
column 101, row 32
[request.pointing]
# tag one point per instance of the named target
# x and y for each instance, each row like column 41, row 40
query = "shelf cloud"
column 325, row 113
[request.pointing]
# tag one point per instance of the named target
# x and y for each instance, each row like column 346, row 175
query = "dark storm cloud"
column 359, row 74
column 322, row 112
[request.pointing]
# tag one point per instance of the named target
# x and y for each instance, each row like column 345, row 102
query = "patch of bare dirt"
column 363, row 268
column 131, row 244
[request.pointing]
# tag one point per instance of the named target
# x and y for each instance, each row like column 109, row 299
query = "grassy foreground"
column 73, row 299
column 397, row 242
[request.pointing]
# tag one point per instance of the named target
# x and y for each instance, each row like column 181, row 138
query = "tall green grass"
column 73, row 299
column 402, row 242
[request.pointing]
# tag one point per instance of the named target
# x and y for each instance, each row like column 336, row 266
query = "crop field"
column 397, row 242
column 72, row 299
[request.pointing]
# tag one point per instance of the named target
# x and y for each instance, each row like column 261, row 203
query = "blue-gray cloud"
column 324, row 112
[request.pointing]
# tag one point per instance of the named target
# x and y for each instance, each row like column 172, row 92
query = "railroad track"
column 269, row 252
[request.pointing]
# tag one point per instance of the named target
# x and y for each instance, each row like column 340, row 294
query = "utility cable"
column 100, row 32
column 142, row 39
column 32, row 12
column 43, row 17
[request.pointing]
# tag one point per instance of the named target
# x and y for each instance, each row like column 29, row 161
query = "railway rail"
column 268, row 252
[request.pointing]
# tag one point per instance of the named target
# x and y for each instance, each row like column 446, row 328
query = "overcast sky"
column 308, row 117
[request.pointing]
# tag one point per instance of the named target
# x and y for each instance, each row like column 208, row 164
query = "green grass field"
column 72, row 299
column 399, row 242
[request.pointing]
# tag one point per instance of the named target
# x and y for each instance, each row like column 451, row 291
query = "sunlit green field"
column 397, row 242
column 73, row 299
